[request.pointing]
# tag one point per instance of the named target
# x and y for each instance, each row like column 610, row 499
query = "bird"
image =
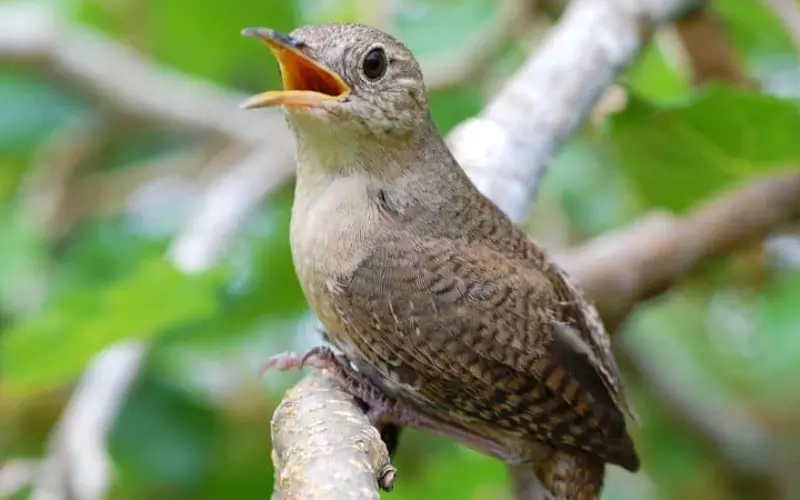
column 439, row 311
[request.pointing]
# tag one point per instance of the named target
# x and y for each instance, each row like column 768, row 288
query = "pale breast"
column 333, row 226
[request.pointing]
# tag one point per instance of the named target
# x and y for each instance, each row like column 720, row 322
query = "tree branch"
column 77, row 464
column 325, row 447
column 621, row 269
column 711, row 57
column 34, row 34
column 507, row 148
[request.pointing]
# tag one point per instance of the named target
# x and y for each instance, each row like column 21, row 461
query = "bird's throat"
column 343, row 151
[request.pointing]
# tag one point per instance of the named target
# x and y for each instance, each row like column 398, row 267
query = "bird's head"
column 345, row 78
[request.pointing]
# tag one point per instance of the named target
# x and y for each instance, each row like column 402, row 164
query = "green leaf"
column 199, row 36
column 420, row 24
column 679, row 154
column 163, row 439
column 53, row 347
column 652, row 77
column 24, row 263
column 451, row 106
column 753, row 28
column 777, row 343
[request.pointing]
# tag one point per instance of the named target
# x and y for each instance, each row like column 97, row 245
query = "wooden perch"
column 324, row 446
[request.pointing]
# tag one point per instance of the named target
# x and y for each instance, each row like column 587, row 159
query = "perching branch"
column 325, row 447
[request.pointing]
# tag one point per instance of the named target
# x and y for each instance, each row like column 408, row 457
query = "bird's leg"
column 381, row 408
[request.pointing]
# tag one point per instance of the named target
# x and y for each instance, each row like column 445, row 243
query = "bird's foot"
column 317, row 357
column 381, row 409
column 342, row 371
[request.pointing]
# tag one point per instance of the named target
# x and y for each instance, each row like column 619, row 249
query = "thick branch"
column 33, row 34
column 507, row 148
column 621, row 269
column 325, row 447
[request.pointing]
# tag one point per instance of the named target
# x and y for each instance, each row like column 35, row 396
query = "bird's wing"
column 579, row 317
column 461, row 329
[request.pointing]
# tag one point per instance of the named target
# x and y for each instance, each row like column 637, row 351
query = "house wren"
column 445, row 315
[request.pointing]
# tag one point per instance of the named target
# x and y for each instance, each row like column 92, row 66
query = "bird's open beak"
column 305, row 81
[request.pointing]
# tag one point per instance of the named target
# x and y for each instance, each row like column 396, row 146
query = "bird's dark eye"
column 374, row 65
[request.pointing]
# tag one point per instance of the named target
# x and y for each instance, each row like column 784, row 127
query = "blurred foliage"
column 196, row 423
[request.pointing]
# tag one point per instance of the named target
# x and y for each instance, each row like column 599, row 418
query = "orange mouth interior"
column 305, row 81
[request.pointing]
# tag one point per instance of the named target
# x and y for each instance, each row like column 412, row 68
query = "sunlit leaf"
column 679, row 154
column 653, row 77
column 51, row 348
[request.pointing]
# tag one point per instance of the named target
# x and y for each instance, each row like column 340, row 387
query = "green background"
column 196, row 422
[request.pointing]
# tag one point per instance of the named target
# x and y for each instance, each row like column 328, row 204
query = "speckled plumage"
column 431, row 291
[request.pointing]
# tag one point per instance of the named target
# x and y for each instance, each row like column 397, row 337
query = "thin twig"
column 709, row 54
column 77, row 463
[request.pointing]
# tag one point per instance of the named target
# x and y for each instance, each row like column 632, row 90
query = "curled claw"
column 320, row 357
column 283, row 362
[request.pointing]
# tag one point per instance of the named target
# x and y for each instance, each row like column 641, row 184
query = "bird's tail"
column 571, row 477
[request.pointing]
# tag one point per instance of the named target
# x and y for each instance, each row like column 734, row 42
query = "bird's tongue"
column 305, row 82
column 300, row 73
